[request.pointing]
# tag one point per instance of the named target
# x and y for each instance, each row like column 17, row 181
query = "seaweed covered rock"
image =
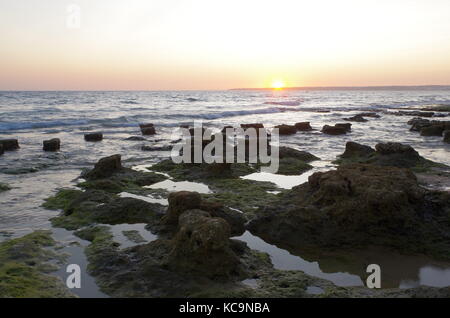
column 433, row 130
column 235, row 219
column 359, row 205
column 105, row 167
column 25, row 264
column 428, row 127
column 385, row 154
column 180, row 202
column 286, row 152
column 199, row 257
column 2, row 151
column 202, row 245
column 109, row 175
column 4, row 187
column 95, row 206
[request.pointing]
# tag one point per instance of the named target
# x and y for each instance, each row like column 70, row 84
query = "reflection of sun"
column 277, row 85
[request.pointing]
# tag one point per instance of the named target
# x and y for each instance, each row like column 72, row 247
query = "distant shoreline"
column 345, row 88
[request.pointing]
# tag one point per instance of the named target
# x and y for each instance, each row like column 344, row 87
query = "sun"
column 278, row 85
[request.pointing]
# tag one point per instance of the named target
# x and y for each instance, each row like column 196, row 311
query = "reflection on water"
column 124, row 241
column 288, row 182
column 284, row 260
column 89, row 288
column 430, row 276
column 147, row 198
column 345, row 268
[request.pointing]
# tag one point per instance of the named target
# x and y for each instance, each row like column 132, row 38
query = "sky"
column 212, row 44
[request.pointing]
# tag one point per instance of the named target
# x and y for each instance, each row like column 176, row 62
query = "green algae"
column 229, row 189
column 244, row 195
column 134, row 236
column 126, row 180
column 24, row 268
column 93, row 206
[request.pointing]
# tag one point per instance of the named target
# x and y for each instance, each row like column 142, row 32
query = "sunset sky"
column 211, row 44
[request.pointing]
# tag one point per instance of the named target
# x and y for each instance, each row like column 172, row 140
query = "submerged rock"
column 148, row 131
column 414, row 113
column 357, row 118
column 359, row 205
column 9, row 144
column 156, row 148
column 334, row 130
column 93, row 137
column 286, row 152
column 4, row 187
column 418, row 123
column 52, row 144
column 135, row 138
column 369, row 114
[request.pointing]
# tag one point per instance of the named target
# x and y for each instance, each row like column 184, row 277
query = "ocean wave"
column 129, row 102
column 228, row 113
column 286, row 103
column 7, row 126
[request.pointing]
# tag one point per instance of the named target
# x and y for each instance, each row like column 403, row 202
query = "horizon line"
column 356, row 87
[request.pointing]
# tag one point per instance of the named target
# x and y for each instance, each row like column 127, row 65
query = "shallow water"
column 288, row 182
column 349, row 268
column 147, row 198
column 173, row 186
column 74, row 247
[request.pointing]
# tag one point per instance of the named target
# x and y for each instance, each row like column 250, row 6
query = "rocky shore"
column 379, row 196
